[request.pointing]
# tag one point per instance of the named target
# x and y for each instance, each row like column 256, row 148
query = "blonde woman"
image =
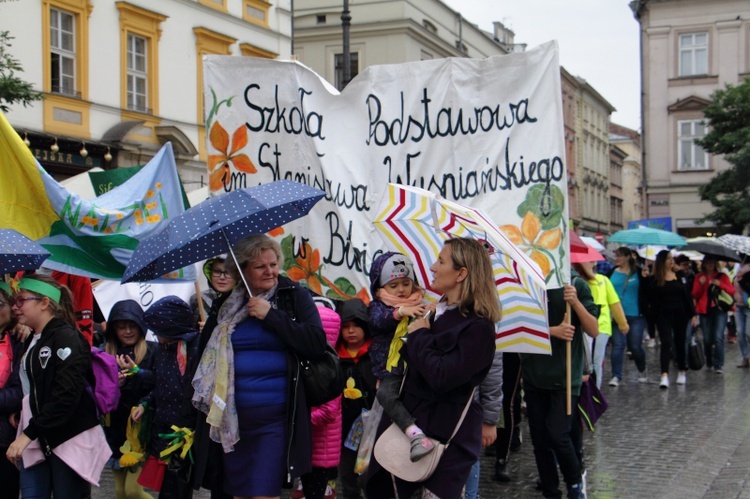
column 447, row 359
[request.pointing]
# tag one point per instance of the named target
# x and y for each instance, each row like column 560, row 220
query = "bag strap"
column 463, row 414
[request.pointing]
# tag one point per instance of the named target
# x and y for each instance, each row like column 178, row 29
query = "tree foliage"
column 728, row 118
column 12, row 88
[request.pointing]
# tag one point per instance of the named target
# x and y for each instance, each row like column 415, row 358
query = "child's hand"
column 125, row 363
column 138, row 413
column 413, row 311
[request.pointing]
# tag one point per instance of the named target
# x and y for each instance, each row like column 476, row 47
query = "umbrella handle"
column 234, row 258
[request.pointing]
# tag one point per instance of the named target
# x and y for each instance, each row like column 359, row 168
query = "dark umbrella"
column 710, row 246
column 18, row 252
column 215, row 225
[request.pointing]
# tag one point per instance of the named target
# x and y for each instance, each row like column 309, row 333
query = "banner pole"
column 568, row 383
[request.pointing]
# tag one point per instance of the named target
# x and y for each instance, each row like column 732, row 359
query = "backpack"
column 723, row 300
column 106, row 387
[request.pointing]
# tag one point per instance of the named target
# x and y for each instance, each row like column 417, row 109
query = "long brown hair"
column 660, row 267
column 4, row 296
column 584, row 272
column 478, row 291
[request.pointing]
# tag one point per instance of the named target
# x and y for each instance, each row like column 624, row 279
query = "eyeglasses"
column 220, row 273
column 20, row 300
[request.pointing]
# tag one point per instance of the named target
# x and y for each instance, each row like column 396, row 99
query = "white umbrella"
column 590, row 241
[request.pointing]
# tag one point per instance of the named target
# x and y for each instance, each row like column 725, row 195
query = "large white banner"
column 487, row 133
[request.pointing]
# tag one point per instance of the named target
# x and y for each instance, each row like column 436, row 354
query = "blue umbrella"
column 646, row 235
column 213, row 227
column 18, row 252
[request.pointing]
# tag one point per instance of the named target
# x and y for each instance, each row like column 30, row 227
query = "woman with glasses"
column 220, row 284
column 57, row 369
column 629, row 285
column 10, row 388
column 126, row 341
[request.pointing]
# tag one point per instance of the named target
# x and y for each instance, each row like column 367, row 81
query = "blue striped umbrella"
column 18, row 252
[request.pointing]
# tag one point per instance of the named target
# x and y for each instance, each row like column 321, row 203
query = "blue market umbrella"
column 18, row 252
column 213, row 227
column 646, row 235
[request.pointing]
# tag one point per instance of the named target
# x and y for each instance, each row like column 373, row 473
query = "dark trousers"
column 549, row 426
column 388, row 396
column 314, row 483
column 350, row 488
column 672, row 326
column 9, row 476
column 511, row 405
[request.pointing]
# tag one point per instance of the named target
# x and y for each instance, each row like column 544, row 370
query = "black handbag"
column 322, row 379
column 696, row 356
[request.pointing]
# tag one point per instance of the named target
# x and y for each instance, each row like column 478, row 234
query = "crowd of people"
column 216, row 401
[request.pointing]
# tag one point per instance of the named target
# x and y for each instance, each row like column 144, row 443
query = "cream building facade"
column 629, row 141
column 120, row 78
column 689, row 49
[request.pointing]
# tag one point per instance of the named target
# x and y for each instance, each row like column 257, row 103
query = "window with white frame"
column 63, row 52
column 338, row 68
column 691, row 156
column 137, row 73
column 693, row 54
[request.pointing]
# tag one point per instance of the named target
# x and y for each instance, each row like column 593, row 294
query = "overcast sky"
column 598, row 41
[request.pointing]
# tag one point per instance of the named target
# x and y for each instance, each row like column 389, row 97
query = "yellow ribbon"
column 394, row 355
column 182, row 437
column 132, row 450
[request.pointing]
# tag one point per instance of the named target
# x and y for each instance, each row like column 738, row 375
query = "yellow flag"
column 24, row 205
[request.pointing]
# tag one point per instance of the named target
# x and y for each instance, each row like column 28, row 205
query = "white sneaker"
column 651, row 343
column 643, row 376
column 681, row 379
column 614, row 381
column 664, row 383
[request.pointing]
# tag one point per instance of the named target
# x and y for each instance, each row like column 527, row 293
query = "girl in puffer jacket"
column 320, row 483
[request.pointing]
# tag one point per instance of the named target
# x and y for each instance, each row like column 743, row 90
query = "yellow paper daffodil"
column 350, row 392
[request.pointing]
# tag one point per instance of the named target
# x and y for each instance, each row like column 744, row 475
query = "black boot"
column 501, row 471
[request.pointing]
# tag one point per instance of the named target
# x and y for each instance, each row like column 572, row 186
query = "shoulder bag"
column 393, row 447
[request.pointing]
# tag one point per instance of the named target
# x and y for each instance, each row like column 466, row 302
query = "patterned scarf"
column 214, row 378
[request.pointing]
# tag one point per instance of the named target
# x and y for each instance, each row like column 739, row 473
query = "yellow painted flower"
column 350, row 392
column 158, row 185
column 533, row 240
column 229, row 152
column 150, row 193
column 129, row 457
column 307, row 268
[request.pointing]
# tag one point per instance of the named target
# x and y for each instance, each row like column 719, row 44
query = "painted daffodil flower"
column 307, row 268
column 535, row 242
column 218, row 164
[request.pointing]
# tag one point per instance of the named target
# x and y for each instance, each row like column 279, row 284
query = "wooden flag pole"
column 200, row 303
column 568, row 368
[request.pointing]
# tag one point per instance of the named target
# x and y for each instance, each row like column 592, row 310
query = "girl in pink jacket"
column 320, row 483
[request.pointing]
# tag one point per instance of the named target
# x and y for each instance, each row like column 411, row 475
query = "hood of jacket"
column 125, row 310
column 376, row 269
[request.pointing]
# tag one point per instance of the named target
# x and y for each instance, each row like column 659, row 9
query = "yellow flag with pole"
column 24, row 205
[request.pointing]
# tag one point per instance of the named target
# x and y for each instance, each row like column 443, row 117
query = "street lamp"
column 346, row 21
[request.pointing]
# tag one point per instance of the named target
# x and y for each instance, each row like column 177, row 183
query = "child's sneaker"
column 420, row 447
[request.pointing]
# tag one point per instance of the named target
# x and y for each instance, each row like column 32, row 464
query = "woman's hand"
column 418, row 323
column 258, row 307
column 696, row 321
column 17, row 447
column 489, row 434
column 137, row 414
column 125, row 363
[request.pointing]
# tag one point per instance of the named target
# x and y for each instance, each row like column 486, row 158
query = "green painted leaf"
column 287, row 249
column 548, row 206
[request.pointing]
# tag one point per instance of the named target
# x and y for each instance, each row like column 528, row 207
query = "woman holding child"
column 447, row 358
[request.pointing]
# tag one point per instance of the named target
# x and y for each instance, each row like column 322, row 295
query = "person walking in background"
column 220, row 284
column 126, row 341
column 11, row 393
column 353, row 347
column 171, row 320
column 320, row 483
column 509, row 435
column 673, row 308
column 712, row 319
column 627, row 281
column 742, row 313
column 545, row 391
column 606, row 298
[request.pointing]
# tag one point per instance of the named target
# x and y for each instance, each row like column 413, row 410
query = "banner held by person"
column 487, row 133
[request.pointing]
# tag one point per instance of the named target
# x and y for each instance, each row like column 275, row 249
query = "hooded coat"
column 136, row 386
